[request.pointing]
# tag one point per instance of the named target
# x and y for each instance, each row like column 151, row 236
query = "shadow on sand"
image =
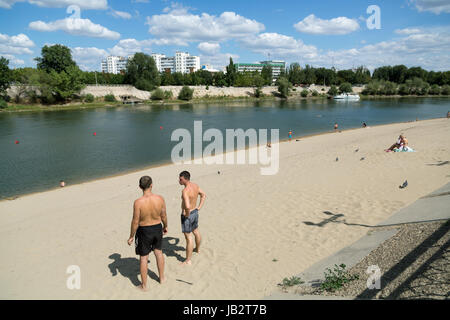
column 129, row 267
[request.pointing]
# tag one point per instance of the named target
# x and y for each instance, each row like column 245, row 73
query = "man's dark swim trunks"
column 148, row 239
column 189, row 224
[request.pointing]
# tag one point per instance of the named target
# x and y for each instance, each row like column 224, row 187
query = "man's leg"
column 144, row 272
column 189, row 248
column 198, row 240
column 160, row 263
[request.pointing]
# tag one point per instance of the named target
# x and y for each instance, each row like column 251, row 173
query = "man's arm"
column 202, row 198
column 164, row 215
column 186, row 203
column 134, row 222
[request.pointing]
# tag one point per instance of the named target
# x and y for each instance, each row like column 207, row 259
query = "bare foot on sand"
column 197, row 250
column 141, row 288
column 186, row 263
column 162, row 280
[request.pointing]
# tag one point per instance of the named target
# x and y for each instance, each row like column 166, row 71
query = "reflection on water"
column 61, row 144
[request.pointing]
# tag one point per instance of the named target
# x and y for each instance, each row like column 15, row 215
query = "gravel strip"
column 414, row 264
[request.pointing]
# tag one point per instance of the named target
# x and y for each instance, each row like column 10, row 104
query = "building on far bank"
column 277, row 67
column 115, row 64
column 182, row 62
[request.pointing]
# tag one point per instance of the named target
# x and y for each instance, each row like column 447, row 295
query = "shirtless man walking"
column 189, row 215
column 148, row 213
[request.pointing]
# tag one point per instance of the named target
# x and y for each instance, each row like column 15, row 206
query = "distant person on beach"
column 400, row 143
column 336, row 127
column 62, row 184
column 148, row 213
column 190, row 213
column 364, row 125
column 448, row 115
column 290, row 135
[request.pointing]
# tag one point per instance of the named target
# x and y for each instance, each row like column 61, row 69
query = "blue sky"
column 319, row 33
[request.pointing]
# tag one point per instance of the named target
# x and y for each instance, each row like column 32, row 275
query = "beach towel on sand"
column 404, row 149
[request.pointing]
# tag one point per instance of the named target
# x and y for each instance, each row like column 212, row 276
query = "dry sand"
column 248, row 219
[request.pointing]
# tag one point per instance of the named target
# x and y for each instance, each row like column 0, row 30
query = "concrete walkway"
column 435, row 206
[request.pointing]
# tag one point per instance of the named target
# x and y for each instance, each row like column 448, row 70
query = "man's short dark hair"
column 186, row 175
column 145, row 182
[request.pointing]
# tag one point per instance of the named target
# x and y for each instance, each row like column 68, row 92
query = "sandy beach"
column 253, row 226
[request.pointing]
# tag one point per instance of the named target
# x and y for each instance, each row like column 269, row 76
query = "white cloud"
column 79, row 27
column 19, row 44
column 12, row 59
column 83, row 4
column 130, row 46
column 279, row 46
column 209, row 48
column 177, row 25
column 88, row 58
column 15, row 45
column 121, row 14
column 407, row 31
column 435, row 6
column 428, row 48
column 337, row 26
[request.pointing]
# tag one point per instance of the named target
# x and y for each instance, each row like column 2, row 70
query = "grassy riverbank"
column 12, row 107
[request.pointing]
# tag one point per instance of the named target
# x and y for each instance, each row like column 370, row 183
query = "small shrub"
column 157, row 94
column 207, row 87
column 445, row 90
column 315, row 93
column 258, row 92
column 110, row 98
column 335, row 279
column 290, row 282
column 186, row 93
column 168, row 95
column 3, row 104
column 88, row 98
column 304, row 93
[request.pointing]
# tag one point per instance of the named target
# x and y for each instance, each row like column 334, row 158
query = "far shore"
column 295, row 96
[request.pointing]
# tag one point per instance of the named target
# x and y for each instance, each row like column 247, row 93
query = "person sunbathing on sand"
column 396, row 145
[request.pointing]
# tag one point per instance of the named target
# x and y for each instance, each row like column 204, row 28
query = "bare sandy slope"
column 248, row 220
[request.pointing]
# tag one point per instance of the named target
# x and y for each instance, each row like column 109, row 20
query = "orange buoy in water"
column 95, row 133
column 17, row 141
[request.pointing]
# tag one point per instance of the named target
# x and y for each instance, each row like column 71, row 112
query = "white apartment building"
column 182, row 62
column 115, row 64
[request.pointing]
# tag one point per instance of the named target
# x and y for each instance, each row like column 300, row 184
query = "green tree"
column 284, row 87
column 57, row 58
column 267, row 74
column 435, row 90
column 142, row 72
column 258, row 82
column 346, row 87
column 5, row 76
column 66, row 84
column 295, row 74
column 231, row 73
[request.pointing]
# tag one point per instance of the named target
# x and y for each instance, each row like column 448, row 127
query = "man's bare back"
column 150, row 208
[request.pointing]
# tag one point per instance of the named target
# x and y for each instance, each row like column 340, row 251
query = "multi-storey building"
column 115, row 64
column 277, row 67
column 182, row 62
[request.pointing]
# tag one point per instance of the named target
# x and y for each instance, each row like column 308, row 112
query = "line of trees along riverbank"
column 58, row 79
